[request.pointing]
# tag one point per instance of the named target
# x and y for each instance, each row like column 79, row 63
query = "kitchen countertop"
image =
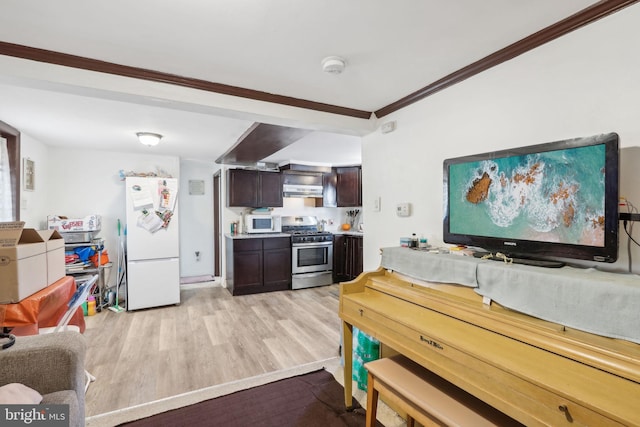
column 256, row 235
column 349, row 233
column 268, row 235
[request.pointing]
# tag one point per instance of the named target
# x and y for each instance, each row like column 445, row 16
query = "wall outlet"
column 376, row 204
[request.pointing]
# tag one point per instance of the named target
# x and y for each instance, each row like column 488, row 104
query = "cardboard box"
column 55, row 255
column 62, row 225
column 23, row 262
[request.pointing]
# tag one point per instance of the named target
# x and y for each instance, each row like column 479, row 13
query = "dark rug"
column 310, row 400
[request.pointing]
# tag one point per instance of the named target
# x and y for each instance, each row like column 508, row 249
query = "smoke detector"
column 333, row 64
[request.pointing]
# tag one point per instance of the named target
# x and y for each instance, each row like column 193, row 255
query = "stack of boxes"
column 79, row 235
column 30, row 260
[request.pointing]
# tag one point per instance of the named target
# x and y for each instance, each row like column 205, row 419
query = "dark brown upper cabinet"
column 329, row 181
column 254, row 189
column 349, row 186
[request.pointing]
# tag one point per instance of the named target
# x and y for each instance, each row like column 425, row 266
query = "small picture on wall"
column 29, row 175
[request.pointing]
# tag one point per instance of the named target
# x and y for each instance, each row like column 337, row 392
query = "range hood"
column 292, row 190
column 302, row 184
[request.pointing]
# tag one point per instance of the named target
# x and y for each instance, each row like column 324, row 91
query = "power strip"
column 625, row 216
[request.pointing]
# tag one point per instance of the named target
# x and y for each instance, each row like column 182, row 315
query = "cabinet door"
column 353, row 257
column 348, row 187
column 270, row 190
column 277, row 269
column 247, row 270
column 357, row 256
column 339, row 258
column 242, row 188
column 245, row 275
column 277, row 263
column 329, row 199
column 349, row 257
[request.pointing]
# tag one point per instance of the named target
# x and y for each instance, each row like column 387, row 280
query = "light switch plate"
column 403, row 209
column 376, row 204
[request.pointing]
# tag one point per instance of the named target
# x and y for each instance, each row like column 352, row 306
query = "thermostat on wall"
column 403, row 209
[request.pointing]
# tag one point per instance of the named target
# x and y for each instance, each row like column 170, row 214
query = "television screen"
column 558, row 199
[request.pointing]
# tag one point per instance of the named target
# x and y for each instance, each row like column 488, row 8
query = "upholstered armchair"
column 52, row 365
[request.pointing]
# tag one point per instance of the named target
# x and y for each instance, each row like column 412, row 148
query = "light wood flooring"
column 210, row 338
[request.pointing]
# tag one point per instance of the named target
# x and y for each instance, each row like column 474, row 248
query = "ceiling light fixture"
column 149, row 139
column 333, row 64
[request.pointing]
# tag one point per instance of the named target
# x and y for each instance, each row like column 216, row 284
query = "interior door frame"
column 217, row 253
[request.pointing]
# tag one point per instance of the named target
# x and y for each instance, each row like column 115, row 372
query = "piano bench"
column 426, row 397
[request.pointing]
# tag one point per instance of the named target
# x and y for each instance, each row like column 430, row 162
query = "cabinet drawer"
column 454, row 350
column 276, row 243
column 247, row 245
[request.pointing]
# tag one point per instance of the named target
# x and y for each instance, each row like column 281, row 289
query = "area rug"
column 309, row 400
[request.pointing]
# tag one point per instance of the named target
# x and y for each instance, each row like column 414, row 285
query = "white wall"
column 582, row 84
column 76, row 183
column 334, row 217
column 196, row 219
column 34, row 203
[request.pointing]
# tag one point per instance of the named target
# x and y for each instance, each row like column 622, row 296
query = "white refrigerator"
column 153, row 246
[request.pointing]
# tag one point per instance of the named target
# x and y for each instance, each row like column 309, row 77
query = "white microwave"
column 263, row 223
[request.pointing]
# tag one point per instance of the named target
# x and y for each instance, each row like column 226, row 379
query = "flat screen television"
column 539, row 202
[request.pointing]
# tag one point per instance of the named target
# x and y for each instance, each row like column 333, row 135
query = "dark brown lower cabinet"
column 257, row 265
column 347, row 257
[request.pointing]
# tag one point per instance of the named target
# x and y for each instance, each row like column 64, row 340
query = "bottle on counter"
column 235, row 228
column 422, row 244
column 413, row 243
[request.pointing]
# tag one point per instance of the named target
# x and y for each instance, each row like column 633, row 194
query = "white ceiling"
column 391, row 48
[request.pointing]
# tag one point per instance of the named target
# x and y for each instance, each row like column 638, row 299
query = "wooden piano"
column 539, row 373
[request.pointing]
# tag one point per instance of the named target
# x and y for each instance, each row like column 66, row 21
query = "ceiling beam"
column 560, row 28
column 259, row 141
column 73, row 61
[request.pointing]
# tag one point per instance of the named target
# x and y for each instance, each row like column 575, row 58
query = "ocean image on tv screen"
column 554, row 196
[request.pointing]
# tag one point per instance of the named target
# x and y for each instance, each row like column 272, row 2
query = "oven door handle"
column 297, row 245
column 314, row 274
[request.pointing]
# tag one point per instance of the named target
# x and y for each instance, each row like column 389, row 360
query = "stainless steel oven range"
column 311, row 252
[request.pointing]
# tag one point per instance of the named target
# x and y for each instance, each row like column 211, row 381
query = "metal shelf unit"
column 89, row 268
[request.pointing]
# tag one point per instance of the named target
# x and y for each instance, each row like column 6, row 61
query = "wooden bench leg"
column 372, row 401
column 410, row 421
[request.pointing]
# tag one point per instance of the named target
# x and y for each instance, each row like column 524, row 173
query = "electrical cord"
column 628, row 229
column 631, row 238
